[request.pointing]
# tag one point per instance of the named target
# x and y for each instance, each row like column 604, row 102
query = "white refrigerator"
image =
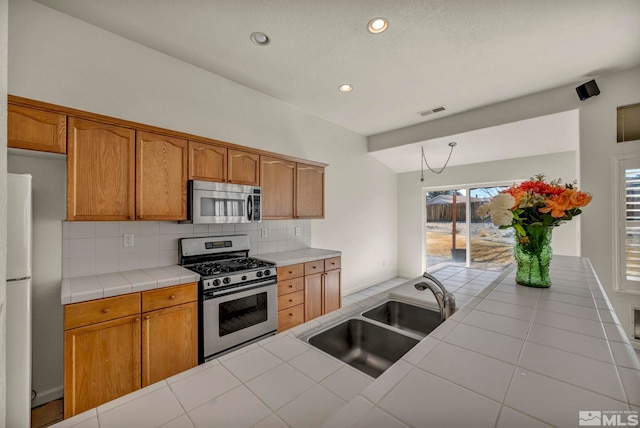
column 18, row 301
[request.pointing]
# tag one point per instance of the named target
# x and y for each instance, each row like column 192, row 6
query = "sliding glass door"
column 455, row 234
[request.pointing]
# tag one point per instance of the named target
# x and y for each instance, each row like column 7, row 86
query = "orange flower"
column 579, row 199
column 557, row 205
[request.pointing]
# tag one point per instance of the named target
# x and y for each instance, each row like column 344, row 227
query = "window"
column 628, row 222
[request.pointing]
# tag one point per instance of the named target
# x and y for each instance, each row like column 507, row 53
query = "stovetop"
column 213, row 268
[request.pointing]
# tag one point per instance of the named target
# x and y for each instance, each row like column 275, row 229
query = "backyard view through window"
column 454, row 229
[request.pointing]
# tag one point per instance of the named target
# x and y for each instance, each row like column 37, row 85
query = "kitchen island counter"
column 509, row 356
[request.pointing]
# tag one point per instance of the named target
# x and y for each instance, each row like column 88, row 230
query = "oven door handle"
column 211, row 294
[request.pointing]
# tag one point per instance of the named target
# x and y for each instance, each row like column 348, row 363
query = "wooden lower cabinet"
column 169, row 342
column 322, row 287
column 290, row 299
column 116, row 345
column 307, row 291
column 102, row 362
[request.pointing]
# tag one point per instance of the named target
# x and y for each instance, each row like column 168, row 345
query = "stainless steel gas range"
column 237, row 294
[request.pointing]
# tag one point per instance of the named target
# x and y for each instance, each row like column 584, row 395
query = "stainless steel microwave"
column 209, row 202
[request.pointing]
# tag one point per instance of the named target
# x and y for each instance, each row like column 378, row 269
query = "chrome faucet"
column 446, row 301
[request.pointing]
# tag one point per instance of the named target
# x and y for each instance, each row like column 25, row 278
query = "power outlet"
column 263, row 233
column 296, row 230
column 129, row 240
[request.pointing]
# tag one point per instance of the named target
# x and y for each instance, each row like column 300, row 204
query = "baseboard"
column 372, row 283
column 44, row 397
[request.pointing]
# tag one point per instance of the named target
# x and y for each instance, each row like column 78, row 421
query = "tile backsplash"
column 90, row 248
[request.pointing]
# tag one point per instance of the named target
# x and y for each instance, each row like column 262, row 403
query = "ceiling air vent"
column 433, row 110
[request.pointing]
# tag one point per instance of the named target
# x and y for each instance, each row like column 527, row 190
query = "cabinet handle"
column 290, row 300
column 173, row 296
column 290, row 272
column 290, row 315
column 291, row 286
column 147, row 317
column 137, row 319
column 106, row 310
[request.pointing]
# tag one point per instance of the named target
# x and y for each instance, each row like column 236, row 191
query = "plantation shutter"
column 627, row 208
column 632, row 224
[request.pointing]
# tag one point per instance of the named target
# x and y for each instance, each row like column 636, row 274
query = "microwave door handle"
column 249, row 208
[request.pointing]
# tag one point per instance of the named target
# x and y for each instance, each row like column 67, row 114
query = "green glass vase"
column 533, row 255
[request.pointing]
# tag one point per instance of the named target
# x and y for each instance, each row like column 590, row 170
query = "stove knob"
column 244, row 277
column 267, row 272
column 226, row 280
column 216, row 282
column 259, row 274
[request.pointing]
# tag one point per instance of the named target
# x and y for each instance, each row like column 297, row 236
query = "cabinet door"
column 243, row 168
column 332, row 294
column 161, row 177
column 277, row 179
column 100, row 171
column 309, row 191
column 36, row 129
column 313, row 296
column 169, row 342
column 207, row 162
column 102, row 362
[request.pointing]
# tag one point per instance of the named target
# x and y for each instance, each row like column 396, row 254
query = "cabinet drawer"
column 291, row 317
column 291, row 271
column 169, row 296
column 291, row 299
column 95, row 311
column 314, row 267
column 332, row 263
column 290, row 286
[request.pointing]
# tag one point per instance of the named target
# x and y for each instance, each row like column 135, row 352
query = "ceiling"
column 460, row 54
column 554, row 133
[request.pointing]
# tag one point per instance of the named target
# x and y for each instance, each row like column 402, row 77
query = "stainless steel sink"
column 415, row 319
column 364, row 345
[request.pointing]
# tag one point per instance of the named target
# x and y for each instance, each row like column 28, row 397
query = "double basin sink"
column 379, row 337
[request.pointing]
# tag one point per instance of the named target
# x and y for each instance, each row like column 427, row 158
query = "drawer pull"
column 173, row 296
column 106, row 310
column 291, row 286
column 137, row 319
column 290, row 300
column 290, row 314
column 147, row 317
column 290, row 272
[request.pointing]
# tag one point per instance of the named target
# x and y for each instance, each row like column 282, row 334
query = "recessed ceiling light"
column 260, row 39
column 345, row 87
column 377, row 25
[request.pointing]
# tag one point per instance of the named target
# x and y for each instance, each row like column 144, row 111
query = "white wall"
column 598, row 148
column 3, row 204
column 58, row 59
column 411, row 200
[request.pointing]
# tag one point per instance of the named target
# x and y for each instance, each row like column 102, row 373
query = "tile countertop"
column 509, row 356
column 83, row 288
column 286, row 258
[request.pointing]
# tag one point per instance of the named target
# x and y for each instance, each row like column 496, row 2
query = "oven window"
column 219, row 207
column 242, row 313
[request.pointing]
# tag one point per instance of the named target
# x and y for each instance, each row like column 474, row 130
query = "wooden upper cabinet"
column 277, row 179
column 34, row 129
column 161, row 177
column 207, row 162
column 243, row 168
column 100, row 171
column 309, row 191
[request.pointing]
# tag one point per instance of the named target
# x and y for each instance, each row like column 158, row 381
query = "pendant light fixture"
column 423, row 162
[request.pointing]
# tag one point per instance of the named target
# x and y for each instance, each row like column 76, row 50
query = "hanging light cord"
column 451, row 144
